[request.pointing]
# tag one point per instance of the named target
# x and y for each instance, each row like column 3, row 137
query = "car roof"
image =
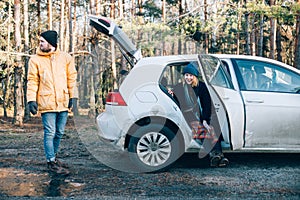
column 257, row 58
column 164, row 60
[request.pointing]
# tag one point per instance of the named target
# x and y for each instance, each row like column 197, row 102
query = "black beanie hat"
column 50, row 37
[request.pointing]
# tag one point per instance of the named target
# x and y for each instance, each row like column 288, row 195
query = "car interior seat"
column 248, row 78
column 262, row 82
column 163, row 84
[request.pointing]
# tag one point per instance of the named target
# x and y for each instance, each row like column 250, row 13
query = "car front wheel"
column 153, row 147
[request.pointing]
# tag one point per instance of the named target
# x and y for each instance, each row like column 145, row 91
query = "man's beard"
column 45, row 50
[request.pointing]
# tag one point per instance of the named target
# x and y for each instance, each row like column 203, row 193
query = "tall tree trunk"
column 163, row 19
column 6, row 90
column 261, row 35
column 18, row 108
column 297, row 40
column 66, row 42
column 49, row 14
column 252, row 36
column 39, row 16
column 70, row 27
column 26, row 49
column 272, row 38
column 89, row 77
column 74, row 42
column 74, row 26
column 180, row 13
column 140, row 12
column 278, row 43
column 205, row 34
column 93, row 8
column 121, row 9
column 247, row 50
column 98, row 7
column 163, row 9
column 272, row 34
column 92, row 110
column 132, row 8
column 238, row 28
column 91, row 68
column 62, row 24
column 112, row 47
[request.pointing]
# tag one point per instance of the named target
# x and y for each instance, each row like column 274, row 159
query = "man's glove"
column 70, row 105
column 33, row 107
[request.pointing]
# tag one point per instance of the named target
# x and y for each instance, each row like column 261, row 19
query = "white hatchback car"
column 256, row 104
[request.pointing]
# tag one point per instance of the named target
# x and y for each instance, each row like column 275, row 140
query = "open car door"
column 109, row 28
column 228, row 105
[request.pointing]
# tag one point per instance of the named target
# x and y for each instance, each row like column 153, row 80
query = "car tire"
column 153, row 148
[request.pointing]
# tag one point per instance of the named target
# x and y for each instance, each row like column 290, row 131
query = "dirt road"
column 23, row 173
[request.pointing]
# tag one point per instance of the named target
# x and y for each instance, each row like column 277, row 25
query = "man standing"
column 51, row 84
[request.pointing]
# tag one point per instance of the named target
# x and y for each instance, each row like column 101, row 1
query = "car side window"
column 172, row 74
column 267, row 77
column 215, row 72
column 226, row 67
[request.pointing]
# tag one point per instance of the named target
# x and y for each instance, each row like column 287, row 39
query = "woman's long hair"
column 195, row 81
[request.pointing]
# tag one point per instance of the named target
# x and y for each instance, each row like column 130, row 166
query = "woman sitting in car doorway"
column 198, row 116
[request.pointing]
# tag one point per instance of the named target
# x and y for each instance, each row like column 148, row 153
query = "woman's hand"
column 170, row 92
column 205, row 124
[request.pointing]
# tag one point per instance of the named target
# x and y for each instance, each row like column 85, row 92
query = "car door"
column 227, row 101
column 272, row 104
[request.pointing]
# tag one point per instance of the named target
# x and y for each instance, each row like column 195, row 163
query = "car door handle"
column 255, row 101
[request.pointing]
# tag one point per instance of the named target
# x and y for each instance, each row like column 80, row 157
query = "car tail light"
column 115, row 99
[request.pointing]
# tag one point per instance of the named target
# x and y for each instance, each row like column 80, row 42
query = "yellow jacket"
column 51, row 80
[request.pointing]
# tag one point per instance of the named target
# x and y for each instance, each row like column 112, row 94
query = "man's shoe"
column 61, row 164
column 55, row 168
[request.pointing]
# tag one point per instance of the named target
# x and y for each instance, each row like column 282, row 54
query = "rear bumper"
column 109, row 131
column 112, row 126
column 108, row 128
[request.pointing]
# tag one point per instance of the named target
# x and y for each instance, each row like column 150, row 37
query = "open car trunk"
column 110, row 29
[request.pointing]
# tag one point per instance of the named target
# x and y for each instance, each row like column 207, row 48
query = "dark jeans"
column 217, row 146
column 209, row 146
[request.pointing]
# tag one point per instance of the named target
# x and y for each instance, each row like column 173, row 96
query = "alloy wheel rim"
column 154, row 149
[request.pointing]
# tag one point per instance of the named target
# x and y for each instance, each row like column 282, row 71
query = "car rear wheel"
column 153, row 147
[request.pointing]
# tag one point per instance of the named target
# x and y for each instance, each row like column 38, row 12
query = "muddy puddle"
column 16, row 182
